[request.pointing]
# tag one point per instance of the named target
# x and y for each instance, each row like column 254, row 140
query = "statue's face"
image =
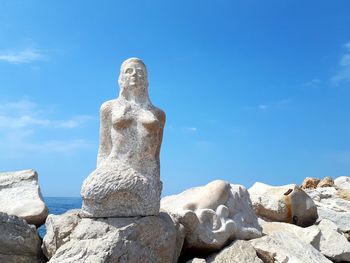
column 133, row 74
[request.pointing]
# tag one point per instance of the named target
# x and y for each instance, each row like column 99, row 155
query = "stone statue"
column 126, row 181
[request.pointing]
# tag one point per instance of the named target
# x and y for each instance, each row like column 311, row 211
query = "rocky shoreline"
column 218, row 222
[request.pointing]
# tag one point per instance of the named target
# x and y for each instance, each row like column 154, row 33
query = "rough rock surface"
column 333, row 244
column 330, row 206
column 58, row 230
column 19, row 242
column 126, row 181
column 110, row 240
column 20, row 196
column 310, row 182
column 213, row 214
column 286, row 203
column 326, row 182
column 342, row 182
column 285, row 247
column 239, row 251
column 310, row 235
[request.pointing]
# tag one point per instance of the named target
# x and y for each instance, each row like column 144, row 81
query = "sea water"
column 58, row 206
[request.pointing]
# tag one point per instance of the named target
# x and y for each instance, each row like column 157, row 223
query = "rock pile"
column 123, row 219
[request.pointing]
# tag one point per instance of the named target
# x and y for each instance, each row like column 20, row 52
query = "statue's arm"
column 105, row 146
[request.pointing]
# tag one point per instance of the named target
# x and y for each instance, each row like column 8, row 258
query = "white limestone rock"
column 333, row 244
column 126, row 181
column 109, row 240
column 282, row 247
column 287, row 203
column 58, row 230
column 19, row 242
column 310, row 235
column 343, row 182
column 331, row 206
column 213, row 214
column 20, row 196
column 237, row 252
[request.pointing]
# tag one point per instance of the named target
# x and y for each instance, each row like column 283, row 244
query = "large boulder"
column 20, row 196
column 342, row 182
column 213, row 214
column 286, row 247
column 287, row 203
column 109, row 240
column 19, row 242
column 332, row 205
column 333, row 244
column 237, row 252
column 310, row 182
column 310, row 235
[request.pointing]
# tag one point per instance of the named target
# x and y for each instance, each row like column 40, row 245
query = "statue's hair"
column 133, row 60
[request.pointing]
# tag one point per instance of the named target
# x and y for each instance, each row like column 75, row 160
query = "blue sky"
column 253, row 90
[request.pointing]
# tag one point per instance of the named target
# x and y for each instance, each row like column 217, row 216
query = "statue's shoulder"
column 107, row 105
column 159, row 113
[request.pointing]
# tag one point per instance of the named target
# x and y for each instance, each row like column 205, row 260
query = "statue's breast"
column 122, row 119
column 149, row 121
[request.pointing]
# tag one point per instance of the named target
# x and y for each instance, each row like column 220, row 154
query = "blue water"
column 58, row 206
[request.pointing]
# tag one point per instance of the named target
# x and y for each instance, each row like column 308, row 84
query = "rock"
column 197, row 260
column 310, row 182
column 330, row 206
column 286, row 203
column 19, row 242
column 126, row 181
column 58, row 230
column 29, row 204
column 286, row 247
column 213, row 214
column 326, row 182
column 310, row 235
column 343, row 182
column 109, row 240
column 239, row 251
column 332, row 244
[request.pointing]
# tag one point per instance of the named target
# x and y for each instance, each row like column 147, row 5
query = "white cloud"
column 21, row 121
column 343, row 74
column 25, row 113
column 189, row 129
column 313, row 83
column 19, row 57
column 279, row 104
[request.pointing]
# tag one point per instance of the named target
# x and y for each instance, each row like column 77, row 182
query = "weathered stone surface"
column 330, row 206
column 20, row 196
column 110, row 240
column 213, row 214
column 310, row 235
column 19, row 242
column 326, row 182
column 342, row 182
column 126, row 181
column 333, row 244
column 239, row 251
column 310, row 182
column 286, row 203
column 286, row 247
column 58, row 231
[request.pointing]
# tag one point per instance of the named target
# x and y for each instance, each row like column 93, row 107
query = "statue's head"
column 133, row 76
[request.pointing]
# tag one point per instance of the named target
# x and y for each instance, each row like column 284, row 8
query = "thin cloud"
column 313, row 83
column 22, row 121
column 189, row 129
column 25, row 113
column 279, row 104
column 19, row 57
column 343, row 74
